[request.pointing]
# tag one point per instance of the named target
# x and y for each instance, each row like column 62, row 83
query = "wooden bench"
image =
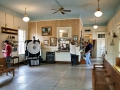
column 102, row 77
column 117, row 65
column 4, row 68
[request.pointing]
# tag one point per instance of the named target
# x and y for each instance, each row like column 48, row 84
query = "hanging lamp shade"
column 95, row 25
column 98, row 13
column 26, row 18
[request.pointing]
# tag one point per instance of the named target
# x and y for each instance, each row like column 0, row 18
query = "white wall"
column 113, row 50
column 14, row 23
column 94, row 33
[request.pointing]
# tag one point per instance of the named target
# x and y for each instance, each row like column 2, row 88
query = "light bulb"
column 26, row 18
column 98, row 13
column 95, row 26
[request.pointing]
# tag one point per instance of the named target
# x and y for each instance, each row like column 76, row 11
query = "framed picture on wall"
column 46, row 31
column 75, row 37
column 53, row 41
column 45, row 42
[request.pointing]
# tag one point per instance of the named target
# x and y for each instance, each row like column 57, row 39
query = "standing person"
column 90, row 45
column 73, row 53
column 87, row 53
column 7, row 52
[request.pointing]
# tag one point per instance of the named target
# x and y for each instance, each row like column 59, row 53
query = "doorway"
column 94, row 48
column 88, row 37
column 100, row 47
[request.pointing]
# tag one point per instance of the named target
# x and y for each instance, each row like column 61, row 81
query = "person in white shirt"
column 73, row 53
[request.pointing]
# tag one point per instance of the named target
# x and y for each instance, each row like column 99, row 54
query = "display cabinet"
column 64, row 44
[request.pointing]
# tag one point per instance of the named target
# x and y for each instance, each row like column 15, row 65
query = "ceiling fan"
column 61, row 9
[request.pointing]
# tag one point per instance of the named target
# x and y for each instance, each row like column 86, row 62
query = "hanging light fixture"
column 26, row 18
column 98, row 13
column 95, row 25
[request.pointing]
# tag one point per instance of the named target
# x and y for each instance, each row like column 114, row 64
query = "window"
column 21, row 41
column 101, row 35
column 118, row 29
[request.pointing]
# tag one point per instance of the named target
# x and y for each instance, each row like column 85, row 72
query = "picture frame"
column 46, row 31
column 46, row 42
column 53, row 41
column 75, row 37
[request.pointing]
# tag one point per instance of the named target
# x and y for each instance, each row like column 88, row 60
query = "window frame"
column 21, row 41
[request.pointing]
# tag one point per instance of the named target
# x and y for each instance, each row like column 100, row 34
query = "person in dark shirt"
column 87, row 53
column 90, row 45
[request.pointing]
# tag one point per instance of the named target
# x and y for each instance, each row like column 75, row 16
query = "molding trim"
column 52, row 19
column 62, row 62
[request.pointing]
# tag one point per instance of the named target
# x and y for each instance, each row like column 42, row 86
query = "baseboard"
column 62, row 62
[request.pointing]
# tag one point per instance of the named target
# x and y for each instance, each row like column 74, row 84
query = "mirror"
column 64, row 32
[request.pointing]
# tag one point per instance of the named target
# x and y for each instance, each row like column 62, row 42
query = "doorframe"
column 99, row 47
column 94, row 52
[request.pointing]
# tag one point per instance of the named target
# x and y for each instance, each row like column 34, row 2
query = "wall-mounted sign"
column 9, row 31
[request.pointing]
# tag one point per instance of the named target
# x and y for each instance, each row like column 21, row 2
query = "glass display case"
column 64, row 44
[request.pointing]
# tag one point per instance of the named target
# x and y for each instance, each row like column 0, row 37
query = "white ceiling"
column 84, row 9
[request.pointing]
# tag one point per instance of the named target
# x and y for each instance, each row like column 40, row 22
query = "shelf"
column 9, row 31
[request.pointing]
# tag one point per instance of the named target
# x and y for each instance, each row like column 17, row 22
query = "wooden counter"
column 62, row 51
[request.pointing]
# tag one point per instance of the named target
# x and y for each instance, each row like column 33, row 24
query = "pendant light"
column 26, row 18
column 95, row 25
column 98, row 13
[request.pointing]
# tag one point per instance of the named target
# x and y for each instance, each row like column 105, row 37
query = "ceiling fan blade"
column 67, row 10
column 55, row 12
column 53, row 9
column 62, row 12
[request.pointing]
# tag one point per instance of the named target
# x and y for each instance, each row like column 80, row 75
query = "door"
column 100, row 47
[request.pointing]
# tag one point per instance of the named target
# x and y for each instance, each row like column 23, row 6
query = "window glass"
column 21, row 41
column 101, row 35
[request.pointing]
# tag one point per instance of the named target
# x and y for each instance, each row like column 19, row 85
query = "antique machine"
column 33, row 52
